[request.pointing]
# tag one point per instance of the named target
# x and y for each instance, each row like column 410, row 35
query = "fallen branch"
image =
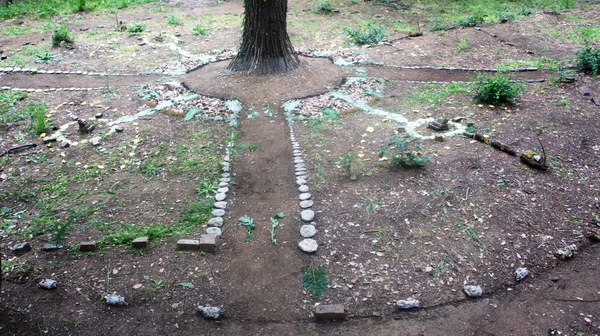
column 16, row 148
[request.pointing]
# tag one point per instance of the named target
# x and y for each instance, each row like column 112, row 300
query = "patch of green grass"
column 434, row 94
column 49, row 8
column 122, row 233
column 136, row 28
column 196, row 213
column 369, row 33
column 202, row 30
column 173, row 20
column 9, row 109
column 496, row 89
column 470, row 21
column 39, row 124
column 315, row 280
column 463, row 45
column 61, row 36
column 323, row 7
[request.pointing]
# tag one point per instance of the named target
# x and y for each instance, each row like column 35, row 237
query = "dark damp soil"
column 472, row 215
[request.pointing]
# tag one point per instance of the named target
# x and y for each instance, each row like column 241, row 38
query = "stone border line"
column 307, row 215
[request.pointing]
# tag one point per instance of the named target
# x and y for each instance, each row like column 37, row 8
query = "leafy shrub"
column 323, row 7
column 369, row 34
column 61, row 35
column 136, row 28
column 436, row 26
column 588, row 60
column 201, row 30
column 403, row 153
column 497, row 89
column 173, row 20
column 526, row 11
column 470, row 21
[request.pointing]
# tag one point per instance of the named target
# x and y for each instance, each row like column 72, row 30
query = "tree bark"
column 266, row 46
column 3, row 3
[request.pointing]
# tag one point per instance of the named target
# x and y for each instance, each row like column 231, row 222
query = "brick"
column 188, row 245
column 208, row 242
column 330, row 312
column 87, row 246
column 140, row 242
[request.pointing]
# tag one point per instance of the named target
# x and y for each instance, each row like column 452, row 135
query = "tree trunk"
column 266, row 46
column 3, row 3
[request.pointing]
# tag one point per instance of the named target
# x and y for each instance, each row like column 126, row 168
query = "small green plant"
column 588, row 60
column 186, row 285
column 206, row 187
column 346, row 162
column 136, row 28
column 248, row 222
column 402, row 153
column 526, row 11
column 45, row 58
column 323, row 7
column 315, row 280
column 38, row 112
column 61, row 36
column 158, row 284
column 82, row 6
column 497, row 89
column 274, row 224
column 470, row 21
column 368, row 34
column 249, row 146
column 464, row 44
column 201, row 30
column 173, row 20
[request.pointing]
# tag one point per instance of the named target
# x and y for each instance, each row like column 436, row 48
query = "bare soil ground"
column 471, row 216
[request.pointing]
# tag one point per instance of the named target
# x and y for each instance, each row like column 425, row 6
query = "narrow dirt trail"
column 261, row 281
column 46, row 81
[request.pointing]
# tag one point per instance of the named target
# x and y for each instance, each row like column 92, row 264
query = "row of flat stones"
column 60, row 72
column 215, row 223
column 308, row 230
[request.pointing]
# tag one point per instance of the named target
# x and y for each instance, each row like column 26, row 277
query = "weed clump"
column 37, row 112
column 588, row 60
column 173, row 20
column 61, row 36
column 369, row 34
column 437, row 26
column 470, row 21
column 497, row 89
column 323, row 7
column 315, row 280
column 201, row 30
column 403, row 153
column 136, row 28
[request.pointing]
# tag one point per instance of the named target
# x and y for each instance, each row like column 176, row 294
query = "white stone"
column 308, row 245
column 308, row 231
column 307, row 215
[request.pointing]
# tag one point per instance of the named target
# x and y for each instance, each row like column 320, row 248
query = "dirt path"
column 261, row 281
column 46, row 81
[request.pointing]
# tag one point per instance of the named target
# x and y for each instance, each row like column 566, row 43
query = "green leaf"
column 191, row 113
column 187, row 285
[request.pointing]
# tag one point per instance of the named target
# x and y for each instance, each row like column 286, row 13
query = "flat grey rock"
column 300, row 181
column 308, row 245
column 304, row 196
column 473, row 290
column 214, row 230
column 303, row 188
column 225, row 175
column 220, row 196
column 521, row 273
column 220, row 205
column 115, row 300
column 308, row 231
column 21, row 248
column 223, row 184
column 211, row 313
column 51, row 247
column 408, row 304
column 223, row 190
column 216, row 222
column 47, row 284
column 307, row 215
column 218, row 212
column 306, row 204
